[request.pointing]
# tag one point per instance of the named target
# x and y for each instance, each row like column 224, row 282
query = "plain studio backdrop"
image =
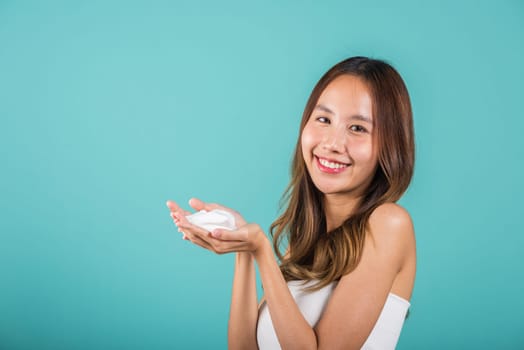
column 109, row 108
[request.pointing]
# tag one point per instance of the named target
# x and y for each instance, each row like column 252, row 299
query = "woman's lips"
column 329, row 166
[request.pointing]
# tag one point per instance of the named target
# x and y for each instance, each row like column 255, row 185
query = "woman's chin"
column 330, row 189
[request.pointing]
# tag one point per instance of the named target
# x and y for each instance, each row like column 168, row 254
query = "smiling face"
column 337, row 140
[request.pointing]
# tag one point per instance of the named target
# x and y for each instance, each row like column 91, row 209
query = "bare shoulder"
column 391, row 226
column 387, row 265
column 392, row 215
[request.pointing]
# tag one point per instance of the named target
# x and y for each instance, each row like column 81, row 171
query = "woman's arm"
column 249, row 240
column 359, row 297
column 291, row 328
column 355, row 305
column 243, row 312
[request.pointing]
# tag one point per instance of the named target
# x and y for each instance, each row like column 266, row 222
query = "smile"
column 331, row 167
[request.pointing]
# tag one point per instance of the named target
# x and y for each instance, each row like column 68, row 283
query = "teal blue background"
column 110, row 108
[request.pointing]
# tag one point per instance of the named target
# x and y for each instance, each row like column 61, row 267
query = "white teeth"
column 331, row 165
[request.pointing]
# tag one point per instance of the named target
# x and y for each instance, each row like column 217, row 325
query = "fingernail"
column 216, row 233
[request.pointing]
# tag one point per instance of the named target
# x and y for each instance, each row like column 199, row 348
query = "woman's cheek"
column 310, row 137
column 361, row 150
column 306, row 142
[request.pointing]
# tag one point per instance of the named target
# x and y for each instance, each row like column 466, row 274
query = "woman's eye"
column 323, row 119
column 357, row 128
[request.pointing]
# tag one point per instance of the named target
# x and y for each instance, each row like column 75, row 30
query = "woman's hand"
column 247, row 238
column 176, row 211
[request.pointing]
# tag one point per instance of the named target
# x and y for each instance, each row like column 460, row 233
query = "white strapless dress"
column 384, row 335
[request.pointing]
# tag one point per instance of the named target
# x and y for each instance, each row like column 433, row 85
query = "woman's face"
column 337, row 142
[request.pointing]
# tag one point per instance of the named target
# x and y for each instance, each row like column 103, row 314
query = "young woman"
column 347, row 274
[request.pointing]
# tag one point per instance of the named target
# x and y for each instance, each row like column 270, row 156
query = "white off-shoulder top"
column 384, row 335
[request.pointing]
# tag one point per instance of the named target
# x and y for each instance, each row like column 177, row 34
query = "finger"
column 186, row 232
column 173, row 207
column 184, row 236
column 175, row 217
column 200, row 242
column 240, row 235
column 198, row 235
column 181, row 219
column 192, row 230
column 222, row 247
column 197, row 204
column 209, row 243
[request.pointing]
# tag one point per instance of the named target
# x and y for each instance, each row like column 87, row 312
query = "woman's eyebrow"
column 362, row 118
column 324, row 108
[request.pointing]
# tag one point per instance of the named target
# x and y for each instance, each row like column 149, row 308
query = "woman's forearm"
column 244, row 310
column 292, row 329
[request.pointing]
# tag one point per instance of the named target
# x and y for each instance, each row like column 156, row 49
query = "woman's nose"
column 335, row 140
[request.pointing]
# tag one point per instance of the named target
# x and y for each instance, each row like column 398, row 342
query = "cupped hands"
column 248, row 237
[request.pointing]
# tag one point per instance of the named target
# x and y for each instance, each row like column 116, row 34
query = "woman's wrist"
column 263, row 247
column 244, row 257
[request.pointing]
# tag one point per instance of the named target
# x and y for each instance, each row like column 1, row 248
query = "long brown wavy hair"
column 313, row 253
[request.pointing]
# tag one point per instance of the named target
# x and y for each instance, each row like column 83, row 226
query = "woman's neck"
column 338, row 208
